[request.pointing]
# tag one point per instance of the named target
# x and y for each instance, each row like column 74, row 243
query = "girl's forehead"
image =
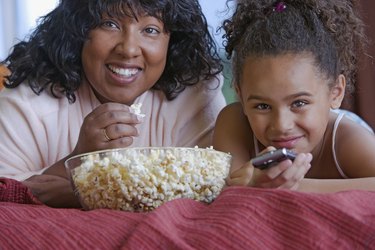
column 282, row 63
column 282, row 70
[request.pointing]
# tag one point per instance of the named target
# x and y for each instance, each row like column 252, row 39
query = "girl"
column 73, row 82
column 292, row 62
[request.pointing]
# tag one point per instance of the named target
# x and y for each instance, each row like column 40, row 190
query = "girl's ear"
column 238, row 91
column 338, row 92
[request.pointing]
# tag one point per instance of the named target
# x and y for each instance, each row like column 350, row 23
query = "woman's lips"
column 123, row 75
column 124, row 72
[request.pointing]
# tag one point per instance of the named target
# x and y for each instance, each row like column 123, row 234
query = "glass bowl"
column 141, row 179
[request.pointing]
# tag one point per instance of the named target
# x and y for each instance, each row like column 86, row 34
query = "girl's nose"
column 282, row 121
column 128, row 45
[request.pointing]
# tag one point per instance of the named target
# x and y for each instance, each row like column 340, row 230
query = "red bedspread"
column 240, row 218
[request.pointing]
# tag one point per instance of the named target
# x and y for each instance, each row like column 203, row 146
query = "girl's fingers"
column 296, row 172
column 287, row 173
column 277, row 170
column 242, row 176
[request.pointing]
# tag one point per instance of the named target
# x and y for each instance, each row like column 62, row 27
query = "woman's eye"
column 109, row 24
column 152, row 31
column 298, row 104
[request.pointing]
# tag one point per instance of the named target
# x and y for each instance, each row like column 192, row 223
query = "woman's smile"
column 133, row 52
column 124, row 72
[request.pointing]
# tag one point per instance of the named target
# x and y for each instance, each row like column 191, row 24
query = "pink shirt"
column 37, row 131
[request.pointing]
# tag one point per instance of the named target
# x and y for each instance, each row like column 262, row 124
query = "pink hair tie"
column 279, row 7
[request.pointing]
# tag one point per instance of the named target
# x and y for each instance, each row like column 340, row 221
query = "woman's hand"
column 286, row 174
column 111, row 125
column 52, row 190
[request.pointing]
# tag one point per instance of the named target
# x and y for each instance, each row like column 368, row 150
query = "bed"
column 240, row 218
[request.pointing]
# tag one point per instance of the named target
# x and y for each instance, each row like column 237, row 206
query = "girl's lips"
column 286, row 143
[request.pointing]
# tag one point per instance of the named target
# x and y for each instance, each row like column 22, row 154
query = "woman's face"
column 123, row 58
column 287, row 102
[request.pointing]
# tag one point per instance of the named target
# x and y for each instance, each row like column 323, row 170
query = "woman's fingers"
column 119, row 130
column 110, row 125
column 110, row 113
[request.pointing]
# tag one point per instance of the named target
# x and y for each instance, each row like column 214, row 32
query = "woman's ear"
column 337, row 92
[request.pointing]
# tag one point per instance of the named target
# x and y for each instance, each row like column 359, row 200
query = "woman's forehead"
column 130, row 8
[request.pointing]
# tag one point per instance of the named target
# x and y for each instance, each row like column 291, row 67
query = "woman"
column 86, row 63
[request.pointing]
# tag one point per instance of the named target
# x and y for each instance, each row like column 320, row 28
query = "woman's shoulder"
column 209, row 87
column 23, row 97
column 204, row 93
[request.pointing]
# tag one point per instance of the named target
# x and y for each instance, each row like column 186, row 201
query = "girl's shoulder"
column 354, row 146
column 232, row 133
column 351, row 117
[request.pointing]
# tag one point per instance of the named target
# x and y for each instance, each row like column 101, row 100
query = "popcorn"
column 141, row 179
column 136, row 109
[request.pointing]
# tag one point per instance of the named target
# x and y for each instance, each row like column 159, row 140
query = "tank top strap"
column 335, row 126
column 256, row 147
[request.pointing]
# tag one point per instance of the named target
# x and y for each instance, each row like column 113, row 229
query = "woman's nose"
column 128, row 45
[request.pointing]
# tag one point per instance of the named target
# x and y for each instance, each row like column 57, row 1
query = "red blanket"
column 240, row 218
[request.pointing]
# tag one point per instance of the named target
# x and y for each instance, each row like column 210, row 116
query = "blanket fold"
column 14, row 191
column 240, row 218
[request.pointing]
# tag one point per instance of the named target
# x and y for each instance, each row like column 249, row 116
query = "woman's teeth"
column 124, row 72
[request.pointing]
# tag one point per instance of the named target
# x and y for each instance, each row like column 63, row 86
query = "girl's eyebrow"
column 254, row 97
column 298, row 94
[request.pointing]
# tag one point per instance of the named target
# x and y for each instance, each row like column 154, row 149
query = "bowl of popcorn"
column 141, row 179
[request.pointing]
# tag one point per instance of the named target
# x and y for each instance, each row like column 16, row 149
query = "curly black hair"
column 51, row 56
column 331, row 30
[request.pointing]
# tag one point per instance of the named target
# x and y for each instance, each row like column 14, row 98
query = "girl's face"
column 287, row 101
column 123, row 58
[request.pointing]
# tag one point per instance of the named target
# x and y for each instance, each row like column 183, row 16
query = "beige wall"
column 363, row 102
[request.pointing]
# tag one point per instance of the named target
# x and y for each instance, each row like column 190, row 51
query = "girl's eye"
column 299, row 104
column 262, row 106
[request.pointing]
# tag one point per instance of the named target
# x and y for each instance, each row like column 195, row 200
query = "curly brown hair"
column 51, row 54
column 331, row 30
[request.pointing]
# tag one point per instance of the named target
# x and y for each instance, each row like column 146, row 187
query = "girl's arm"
column 233, row 134
column 336, row 185
column 355, row 151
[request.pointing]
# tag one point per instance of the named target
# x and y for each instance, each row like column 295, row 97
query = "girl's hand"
column 111, row 125
column 286, row 174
